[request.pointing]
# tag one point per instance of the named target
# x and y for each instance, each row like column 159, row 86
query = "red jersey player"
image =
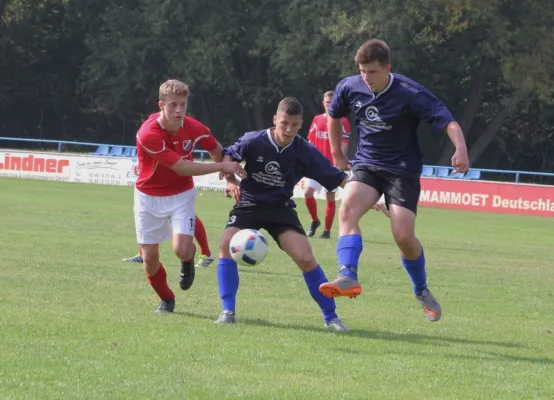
column 164, row 191
column 200, row 234
column 317, row 136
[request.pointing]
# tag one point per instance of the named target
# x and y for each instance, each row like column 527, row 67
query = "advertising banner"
column 67, row 167
column 498, row 197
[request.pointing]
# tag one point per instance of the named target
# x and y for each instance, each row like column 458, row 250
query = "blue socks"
column 313, row 279
column 349, row 249
column 416, row 270
column 228, row 282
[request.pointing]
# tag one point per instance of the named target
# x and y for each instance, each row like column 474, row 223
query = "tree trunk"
column 488, row 135
column 472, row 106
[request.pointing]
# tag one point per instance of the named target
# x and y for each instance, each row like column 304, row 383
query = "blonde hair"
column 173, row 86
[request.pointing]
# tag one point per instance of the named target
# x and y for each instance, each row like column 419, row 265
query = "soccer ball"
column 248, row 247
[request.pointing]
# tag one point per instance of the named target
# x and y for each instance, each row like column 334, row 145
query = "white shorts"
column 317, row 186
column 157, row 218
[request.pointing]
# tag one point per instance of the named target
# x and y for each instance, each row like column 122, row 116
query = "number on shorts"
column 232, row 220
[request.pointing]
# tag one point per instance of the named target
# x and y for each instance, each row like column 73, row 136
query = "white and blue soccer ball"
column 248, row 247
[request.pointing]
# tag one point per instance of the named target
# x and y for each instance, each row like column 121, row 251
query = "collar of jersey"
column 275, row 144
column 387, row 87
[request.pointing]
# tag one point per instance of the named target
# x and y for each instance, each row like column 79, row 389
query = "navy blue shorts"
column 400, row 190
column 274, row 219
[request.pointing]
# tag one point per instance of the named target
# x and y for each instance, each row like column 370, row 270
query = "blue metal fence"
column 60, row 144
column 476, row 173
column 428, row 170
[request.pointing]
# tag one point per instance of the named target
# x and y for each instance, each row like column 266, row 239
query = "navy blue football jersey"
column 273, row 171
column 387, row 122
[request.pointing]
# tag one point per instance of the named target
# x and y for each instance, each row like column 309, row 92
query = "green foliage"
column 91, row 68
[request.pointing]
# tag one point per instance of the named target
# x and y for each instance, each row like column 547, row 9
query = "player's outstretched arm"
column 190, row 168
column 346, row 132
column 460, row 159
column 232, row 187
column 344, row 147
column 231, row 178
column 318, row 168
column 334, row 130
column 217, row 153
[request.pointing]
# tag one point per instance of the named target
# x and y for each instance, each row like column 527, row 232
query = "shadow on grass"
column 266, row 272
column 480, row 356
column 366, row 334
column 487, row 355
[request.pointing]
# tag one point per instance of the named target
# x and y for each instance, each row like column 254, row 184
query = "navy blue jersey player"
column 388, row 109
column 276, row 159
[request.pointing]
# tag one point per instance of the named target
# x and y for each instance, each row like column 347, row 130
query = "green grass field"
column 77, row 323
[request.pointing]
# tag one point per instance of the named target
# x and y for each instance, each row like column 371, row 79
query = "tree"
column 484, row 44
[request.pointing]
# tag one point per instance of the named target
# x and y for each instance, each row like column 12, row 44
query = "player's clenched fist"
column 460, row 160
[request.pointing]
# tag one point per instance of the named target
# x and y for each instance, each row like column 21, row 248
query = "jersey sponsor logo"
column 373, row 121
column 270, row 176
column 322, row 135
column 273, row 168
column 372, row 114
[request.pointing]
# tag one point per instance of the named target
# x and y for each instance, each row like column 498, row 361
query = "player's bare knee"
column 348, row 214
column 224, row 249
column 225, row 241
column 404, row 238
column 309, row 193
column 306, row 262
column 151, row 262
column 184, row 251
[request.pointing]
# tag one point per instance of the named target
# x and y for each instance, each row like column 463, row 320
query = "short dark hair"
column 328, row 93
column 290, row 106
column 373, row 50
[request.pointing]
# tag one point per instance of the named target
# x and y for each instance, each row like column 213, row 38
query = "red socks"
column 159, row 283
column 201, row 237
column 311, row 204
column 329, row 215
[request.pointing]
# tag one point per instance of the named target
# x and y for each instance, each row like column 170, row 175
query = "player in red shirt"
column 317, row 136
column 206, row 256
column 164, row 191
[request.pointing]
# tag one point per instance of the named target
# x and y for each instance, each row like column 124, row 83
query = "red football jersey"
column 158, row 151
column 320, row 139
